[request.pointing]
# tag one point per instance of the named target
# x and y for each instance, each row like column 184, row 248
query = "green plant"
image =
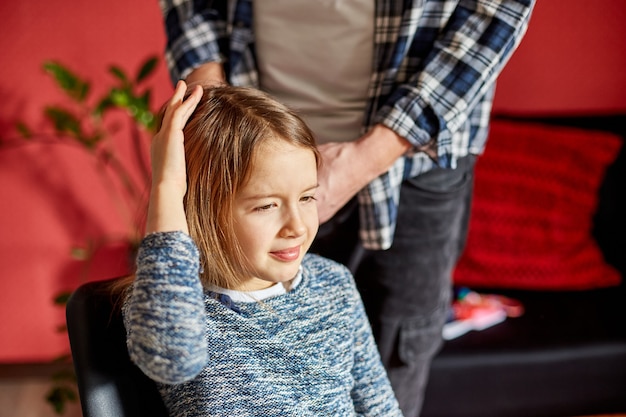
column 84, row 124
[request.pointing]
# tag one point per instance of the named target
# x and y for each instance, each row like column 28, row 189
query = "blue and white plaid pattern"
column 435, row 66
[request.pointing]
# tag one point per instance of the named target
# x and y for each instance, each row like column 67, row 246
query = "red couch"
column 566, row 355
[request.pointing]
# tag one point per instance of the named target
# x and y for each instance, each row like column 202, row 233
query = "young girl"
column 227, row 313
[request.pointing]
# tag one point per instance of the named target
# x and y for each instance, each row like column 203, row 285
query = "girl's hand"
column 167, row 150
column 169, row 178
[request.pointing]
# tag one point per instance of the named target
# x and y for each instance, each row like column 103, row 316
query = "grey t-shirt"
column 316, row 57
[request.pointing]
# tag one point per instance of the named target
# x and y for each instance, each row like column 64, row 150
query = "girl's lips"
column 289, row 254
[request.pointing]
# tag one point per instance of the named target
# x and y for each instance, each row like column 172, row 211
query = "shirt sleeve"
column 164, row 311
column 195, row 32
column 461, row 68
column 372, row 393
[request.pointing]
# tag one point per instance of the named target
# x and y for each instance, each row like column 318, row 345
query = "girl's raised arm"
column 164, row 314
column 169, row 179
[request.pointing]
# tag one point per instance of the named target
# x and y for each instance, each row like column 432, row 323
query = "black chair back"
column 109, row 384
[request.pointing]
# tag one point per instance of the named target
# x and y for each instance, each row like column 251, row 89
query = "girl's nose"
column 294, row 224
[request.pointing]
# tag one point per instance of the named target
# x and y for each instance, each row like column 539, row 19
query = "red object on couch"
column 536, row 191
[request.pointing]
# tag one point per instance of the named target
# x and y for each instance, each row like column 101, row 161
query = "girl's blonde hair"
column 221, row 138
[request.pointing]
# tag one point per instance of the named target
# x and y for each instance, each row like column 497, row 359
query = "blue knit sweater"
column 309, row 352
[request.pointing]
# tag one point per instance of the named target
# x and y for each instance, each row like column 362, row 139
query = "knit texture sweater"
column 309, row 352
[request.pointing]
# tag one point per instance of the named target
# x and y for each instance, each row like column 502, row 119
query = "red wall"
column 572, row 60
column 52, row 198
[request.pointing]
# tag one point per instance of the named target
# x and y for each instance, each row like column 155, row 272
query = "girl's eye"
column 307, row 198
column 265, row 207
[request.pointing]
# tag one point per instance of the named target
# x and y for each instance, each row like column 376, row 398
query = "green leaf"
column 120, row 97
column 92, row 141
column 145, row 98
column 119, row 74
column 145, row 118
column 56, row 400
column 64, row 121
column 59, row 396
column 146, row 69
column 24, row 130
column 69, row 82
column 80, row 254
column 62, row 298
column 140, row 110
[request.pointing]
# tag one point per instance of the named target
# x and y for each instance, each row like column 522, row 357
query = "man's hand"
column 347, row 167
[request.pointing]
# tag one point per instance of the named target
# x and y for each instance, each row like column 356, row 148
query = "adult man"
column 398, row 94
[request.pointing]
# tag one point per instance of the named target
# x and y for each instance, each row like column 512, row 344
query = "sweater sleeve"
column 372, row 393
column 164, row 312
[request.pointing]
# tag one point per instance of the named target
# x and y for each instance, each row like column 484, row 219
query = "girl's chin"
column 288, row 275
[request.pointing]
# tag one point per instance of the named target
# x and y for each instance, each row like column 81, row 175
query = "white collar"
column 258, row 295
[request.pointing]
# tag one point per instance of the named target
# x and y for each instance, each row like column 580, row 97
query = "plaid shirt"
column 436, row 62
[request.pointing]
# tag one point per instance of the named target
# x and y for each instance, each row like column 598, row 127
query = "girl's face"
column 275, row 212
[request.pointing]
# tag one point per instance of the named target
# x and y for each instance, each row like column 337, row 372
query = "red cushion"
column 535, row 195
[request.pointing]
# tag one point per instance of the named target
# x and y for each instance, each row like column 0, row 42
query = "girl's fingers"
column 190, row 104
column 178, row 109
column 175, row 100
column 179, row 91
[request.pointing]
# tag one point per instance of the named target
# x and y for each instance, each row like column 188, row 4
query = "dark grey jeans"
column 406, row 289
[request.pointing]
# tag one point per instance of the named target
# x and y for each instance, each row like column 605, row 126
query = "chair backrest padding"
column 109, row 384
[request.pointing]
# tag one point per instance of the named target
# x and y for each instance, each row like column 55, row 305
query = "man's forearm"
column 378, row 150
column 210, row 73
